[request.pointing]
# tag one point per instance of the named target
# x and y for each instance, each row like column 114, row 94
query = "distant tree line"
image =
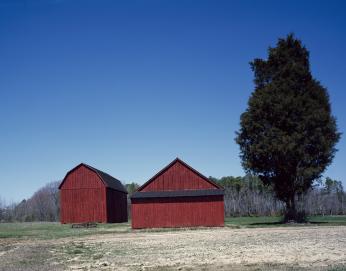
column 247, row 196
column 244, row 196
column 44, row 205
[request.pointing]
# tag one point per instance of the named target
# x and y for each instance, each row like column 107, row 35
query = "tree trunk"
column 292, row 215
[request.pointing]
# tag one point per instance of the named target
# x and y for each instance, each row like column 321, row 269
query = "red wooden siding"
column 82, row 178
column 83, row 205
column 163, row 209
column 85, row 198
column 177, row 177
column 178, row 212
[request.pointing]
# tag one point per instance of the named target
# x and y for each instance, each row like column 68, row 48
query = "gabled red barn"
column 177, row 196
column 90, row 195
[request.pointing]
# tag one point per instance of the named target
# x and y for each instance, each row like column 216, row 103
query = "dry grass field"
column 50, row 246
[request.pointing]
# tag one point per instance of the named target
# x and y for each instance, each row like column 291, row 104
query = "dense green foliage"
column 288, row 134
column 238, row 183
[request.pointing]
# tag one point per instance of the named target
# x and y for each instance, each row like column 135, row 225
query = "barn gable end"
column 178, row 176
column 83, row 170
column 177, row 196
column 90, row 195
column 81, row 177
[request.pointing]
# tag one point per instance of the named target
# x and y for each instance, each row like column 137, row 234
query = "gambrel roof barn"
column 91, row 195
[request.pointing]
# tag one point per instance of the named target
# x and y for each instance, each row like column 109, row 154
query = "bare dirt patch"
column 291, row 248
column 28, row 255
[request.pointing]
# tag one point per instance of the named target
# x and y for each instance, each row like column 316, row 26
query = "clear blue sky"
column 128, row 86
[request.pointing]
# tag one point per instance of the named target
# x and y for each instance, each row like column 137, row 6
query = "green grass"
column 275, row 221
column 337, row 220
column 337, row 268
column 54, row 230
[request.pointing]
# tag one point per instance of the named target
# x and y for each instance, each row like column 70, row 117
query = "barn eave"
column 178, row 193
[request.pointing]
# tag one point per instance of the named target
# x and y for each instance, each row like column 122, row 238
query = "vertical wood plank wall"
column 85, row 198
column 177, row 212
column 187, row 211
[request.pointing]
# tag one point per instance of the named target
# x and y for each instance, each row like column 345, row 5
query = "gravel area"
column 284, row 248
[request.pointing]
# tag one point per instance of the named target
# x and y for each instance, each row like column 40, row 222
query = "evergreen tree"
column 288, row 134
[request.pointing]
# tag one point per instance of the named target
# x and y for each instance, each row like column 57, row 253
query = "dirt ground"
column 285, row 248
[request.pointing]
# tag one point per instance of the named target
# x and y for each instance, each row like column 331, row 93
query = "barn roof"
column 177, row 160
column 107, row 179
column 178, row 193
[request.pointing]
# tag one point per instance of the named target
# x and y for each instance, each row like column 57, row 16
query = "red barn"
column 90, row 195
column 177, row 196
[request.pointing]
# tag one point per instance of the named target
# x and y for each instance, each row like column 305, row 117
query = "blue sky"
column 128, row 86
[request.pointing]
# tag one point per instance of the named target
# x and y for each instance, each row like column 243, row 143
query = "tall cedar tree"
column 287, row 135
